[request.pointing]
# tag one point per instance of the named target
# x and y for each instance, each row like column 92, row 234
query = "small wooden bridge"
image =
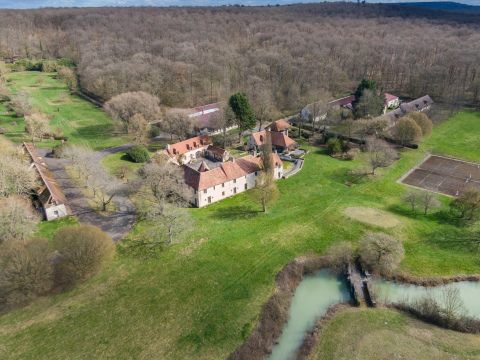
column 360, row 285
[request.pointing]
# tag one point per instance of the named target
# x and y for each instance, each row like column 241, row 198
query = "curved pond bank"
column 317, row 292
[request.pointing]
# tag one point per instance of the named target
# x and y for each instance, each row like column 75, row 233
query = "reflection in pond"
column 388, row 291
column 316, row 293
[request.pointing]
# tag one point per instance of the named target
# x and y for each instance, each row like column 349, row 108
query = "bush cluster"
column 29, row 269
column 139, row 154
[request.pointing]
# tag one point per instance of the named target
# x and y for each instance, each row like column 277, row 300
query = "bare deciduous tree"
column 27, row 269
column 122, row 107
column 69, row 76
column 165, row 183
column 223, row 120
column 379, row 154
column 341, row 254
column 170, row 223
column 429, row 201
column 380, row 252
column 22, row 102
column 37, row 125
column 263, row 109
column 16, row 177
column 18, row 219
column 412, row 197
column 138, row 127
column 82, row 251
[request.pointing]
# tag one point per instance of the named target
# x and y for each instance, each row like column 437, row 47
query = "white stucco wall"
column 50, row 212
column 219, row 192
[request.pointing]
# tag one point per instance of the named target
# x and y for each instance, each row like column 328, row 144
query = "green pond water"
column 316, row 293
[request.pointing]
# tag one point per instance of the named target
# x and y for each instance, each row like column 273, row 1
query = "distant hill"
column 445, row 6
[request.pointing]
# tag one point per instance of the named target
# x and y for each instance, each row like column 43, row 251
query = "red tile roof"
column 216, row 150
column 278, row 125
column 390, row 97
column 36, row 158
column 226, row 172
column 203, row 167
column 188, row 145
column 278, row 139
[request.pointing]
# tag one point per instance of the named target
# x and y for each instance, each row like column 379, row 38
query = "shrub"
column 423, row 121
column 330, row 135
column 27, row 269
column 334, row 145
column 66, row 62
column 352, row 154
column 58, row 150
column 154, row 131
column 139, row 154
column 341, row 254
column 82, row 252
column 380, row 252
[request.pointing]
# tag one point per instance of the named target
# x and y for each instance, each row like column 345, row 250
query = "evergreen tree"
column 368, row 103
column 243, row 112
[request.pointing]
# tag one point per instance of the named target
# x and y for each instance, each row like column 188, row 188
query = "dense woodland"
column 193, row 56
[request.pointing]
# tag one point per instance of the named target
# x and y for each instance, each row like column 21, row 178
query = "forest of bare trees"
column 191, row 56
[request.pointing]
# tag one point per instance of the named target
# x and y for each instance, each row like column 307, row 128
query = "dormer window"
column 261, row 138
column 201, row 142
column 194, row 144
column 188, row 147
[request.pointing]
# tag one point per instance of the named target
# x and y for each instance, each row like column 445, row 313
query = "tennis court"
column 444, row 175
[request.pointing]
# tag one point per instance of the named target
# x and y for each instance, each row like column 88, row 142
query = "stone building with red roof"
column 188, row 150
column 280, row 141
column 230, row 178
column 52, row 201
column 279, row 126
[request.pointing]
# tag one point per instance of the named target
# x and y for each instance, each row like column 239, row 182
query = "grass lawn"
column 387, row 334
column 201, row 297
column 114, row 161
column 79, row 119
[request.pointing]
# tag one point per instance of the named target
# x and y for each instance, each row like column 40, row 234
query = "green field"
column 388, row 334
column 201, row 298
column 79, row 119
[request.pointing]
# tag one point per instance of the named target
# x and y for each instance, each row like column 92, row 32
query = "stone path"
column 117, row 225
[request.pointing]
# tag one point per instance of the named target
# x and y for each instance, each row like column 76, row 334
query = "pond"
column 317, row 292
column 388, row 291
column 314, row 295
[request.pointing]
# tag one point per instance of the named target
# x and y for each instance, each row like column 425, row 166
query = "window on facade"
column 279, row 175
column 234, row 181
column 205, row 191
column 223, row 185
column 256, row 173
column 234, row 190
column 223, row 193
column 195, row 201
column 245, row 186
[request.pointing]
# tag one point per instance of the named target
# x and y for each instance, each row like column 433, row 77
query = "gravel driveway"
column 117, row 225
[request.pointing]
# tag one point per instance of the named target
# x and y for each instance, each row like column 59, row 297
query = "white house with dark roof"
column 421, row 104
column 230, row 178
column 52, row 201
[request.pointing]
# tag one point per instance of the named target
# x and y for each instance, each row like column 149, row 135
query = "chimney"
column 233, row 159
column 203, row 112
column 167, row 147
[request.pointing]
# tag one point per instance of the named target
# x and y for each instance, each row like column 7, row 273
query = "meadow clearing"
column 81, row 121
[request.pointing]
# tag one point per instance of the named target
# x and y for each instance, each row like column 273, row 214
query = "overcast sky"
column 28, row 4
